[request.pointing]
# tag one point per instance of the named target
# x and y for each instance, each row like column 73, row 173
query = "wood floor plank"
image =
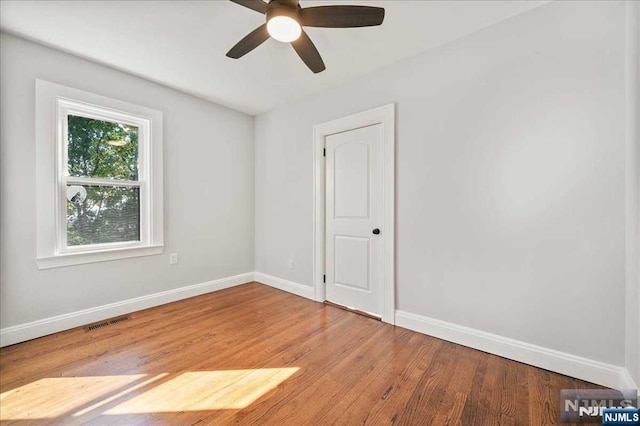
column 255, row 355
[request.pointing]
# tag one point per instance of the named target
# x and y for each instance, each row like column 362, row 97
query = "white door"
column 354, row 214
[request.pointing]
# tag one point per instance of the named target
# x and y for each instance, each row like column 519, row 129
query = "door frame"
column 384, row 115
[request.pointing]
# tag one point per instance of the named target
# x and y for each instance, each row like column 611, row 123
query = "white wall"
column 510, row 179
column 632, row 296
column 208, row 190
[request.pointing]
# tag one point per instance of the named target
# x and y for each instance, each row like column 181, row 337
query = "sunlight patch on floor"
column 53, row 397
column 128, row 390
column 206, row 390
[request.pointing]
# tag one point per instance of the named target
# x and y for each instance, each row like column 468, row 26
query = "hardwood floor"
column 255, row 355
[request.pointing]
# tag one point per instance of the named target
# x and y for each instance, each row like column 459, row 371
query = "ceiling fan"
column 285, row 19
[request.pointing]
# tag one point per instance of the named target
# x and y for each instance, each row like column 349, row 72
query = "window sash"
column 100, row 181
column 103, row 246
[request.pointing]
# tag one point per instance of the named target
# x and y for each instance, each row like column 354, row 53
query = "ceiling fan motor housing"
column 277, row 9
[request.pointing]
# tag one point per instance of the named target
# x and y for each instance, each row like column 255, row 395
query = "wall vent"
column 106, row 323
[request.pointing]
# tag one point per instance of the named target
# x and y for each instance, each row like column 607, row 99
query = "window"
column 99, row 177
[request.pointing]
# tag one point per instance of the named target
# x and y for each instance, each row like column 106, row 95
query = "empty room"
column 319, row 212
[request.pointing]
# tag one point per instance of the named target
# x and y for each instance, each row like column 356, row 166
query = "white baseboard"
column 560, row 362
column 43, row 327
column 288, row 286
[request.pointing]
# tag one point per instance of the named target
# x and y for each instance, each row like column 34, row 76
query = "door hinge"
column 324, row 152
column 324, row 278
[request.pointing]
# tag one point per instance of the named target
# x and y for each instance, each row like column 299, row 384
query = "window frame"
column 54, row 104
column 68, row 107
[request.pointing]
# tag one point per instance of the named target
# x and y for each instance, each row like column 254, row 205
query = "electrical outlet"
column 173, row 258
column 291, row 264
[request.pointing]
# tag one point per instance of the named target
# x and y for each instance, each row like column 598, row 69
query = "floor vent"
column 106, row 323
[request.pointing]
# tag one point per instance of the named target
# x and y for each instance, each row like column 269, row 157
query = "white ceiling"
column 182, row 44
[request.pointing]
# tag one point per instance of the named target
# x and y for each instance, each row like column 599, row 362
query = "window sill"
column 71, row 259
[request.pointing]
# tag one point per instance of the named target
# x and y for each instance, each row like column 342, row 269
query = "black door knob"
column 376, row 231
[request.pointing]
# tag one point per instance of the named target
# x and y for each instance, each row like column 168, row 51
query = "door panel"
column 351, row 260
column 351, row 180
column 353, row 210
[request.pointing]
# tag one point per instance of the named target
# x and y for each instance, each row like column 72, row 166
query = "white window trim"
column 53, row 103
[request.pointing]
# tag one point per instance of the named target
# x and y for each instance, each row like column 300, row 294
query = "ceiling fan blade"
column 308, row 53
column 257, row 5
column 252, row 40
column 342, row 16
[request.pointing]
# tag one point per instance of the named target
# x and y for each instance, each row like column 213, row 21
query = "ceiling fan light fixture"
column 283, row 26
column 285, row 19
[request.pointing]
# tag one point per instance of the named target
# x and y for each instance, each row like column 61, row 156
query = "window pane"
column 102, row 214
column 102, row 149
